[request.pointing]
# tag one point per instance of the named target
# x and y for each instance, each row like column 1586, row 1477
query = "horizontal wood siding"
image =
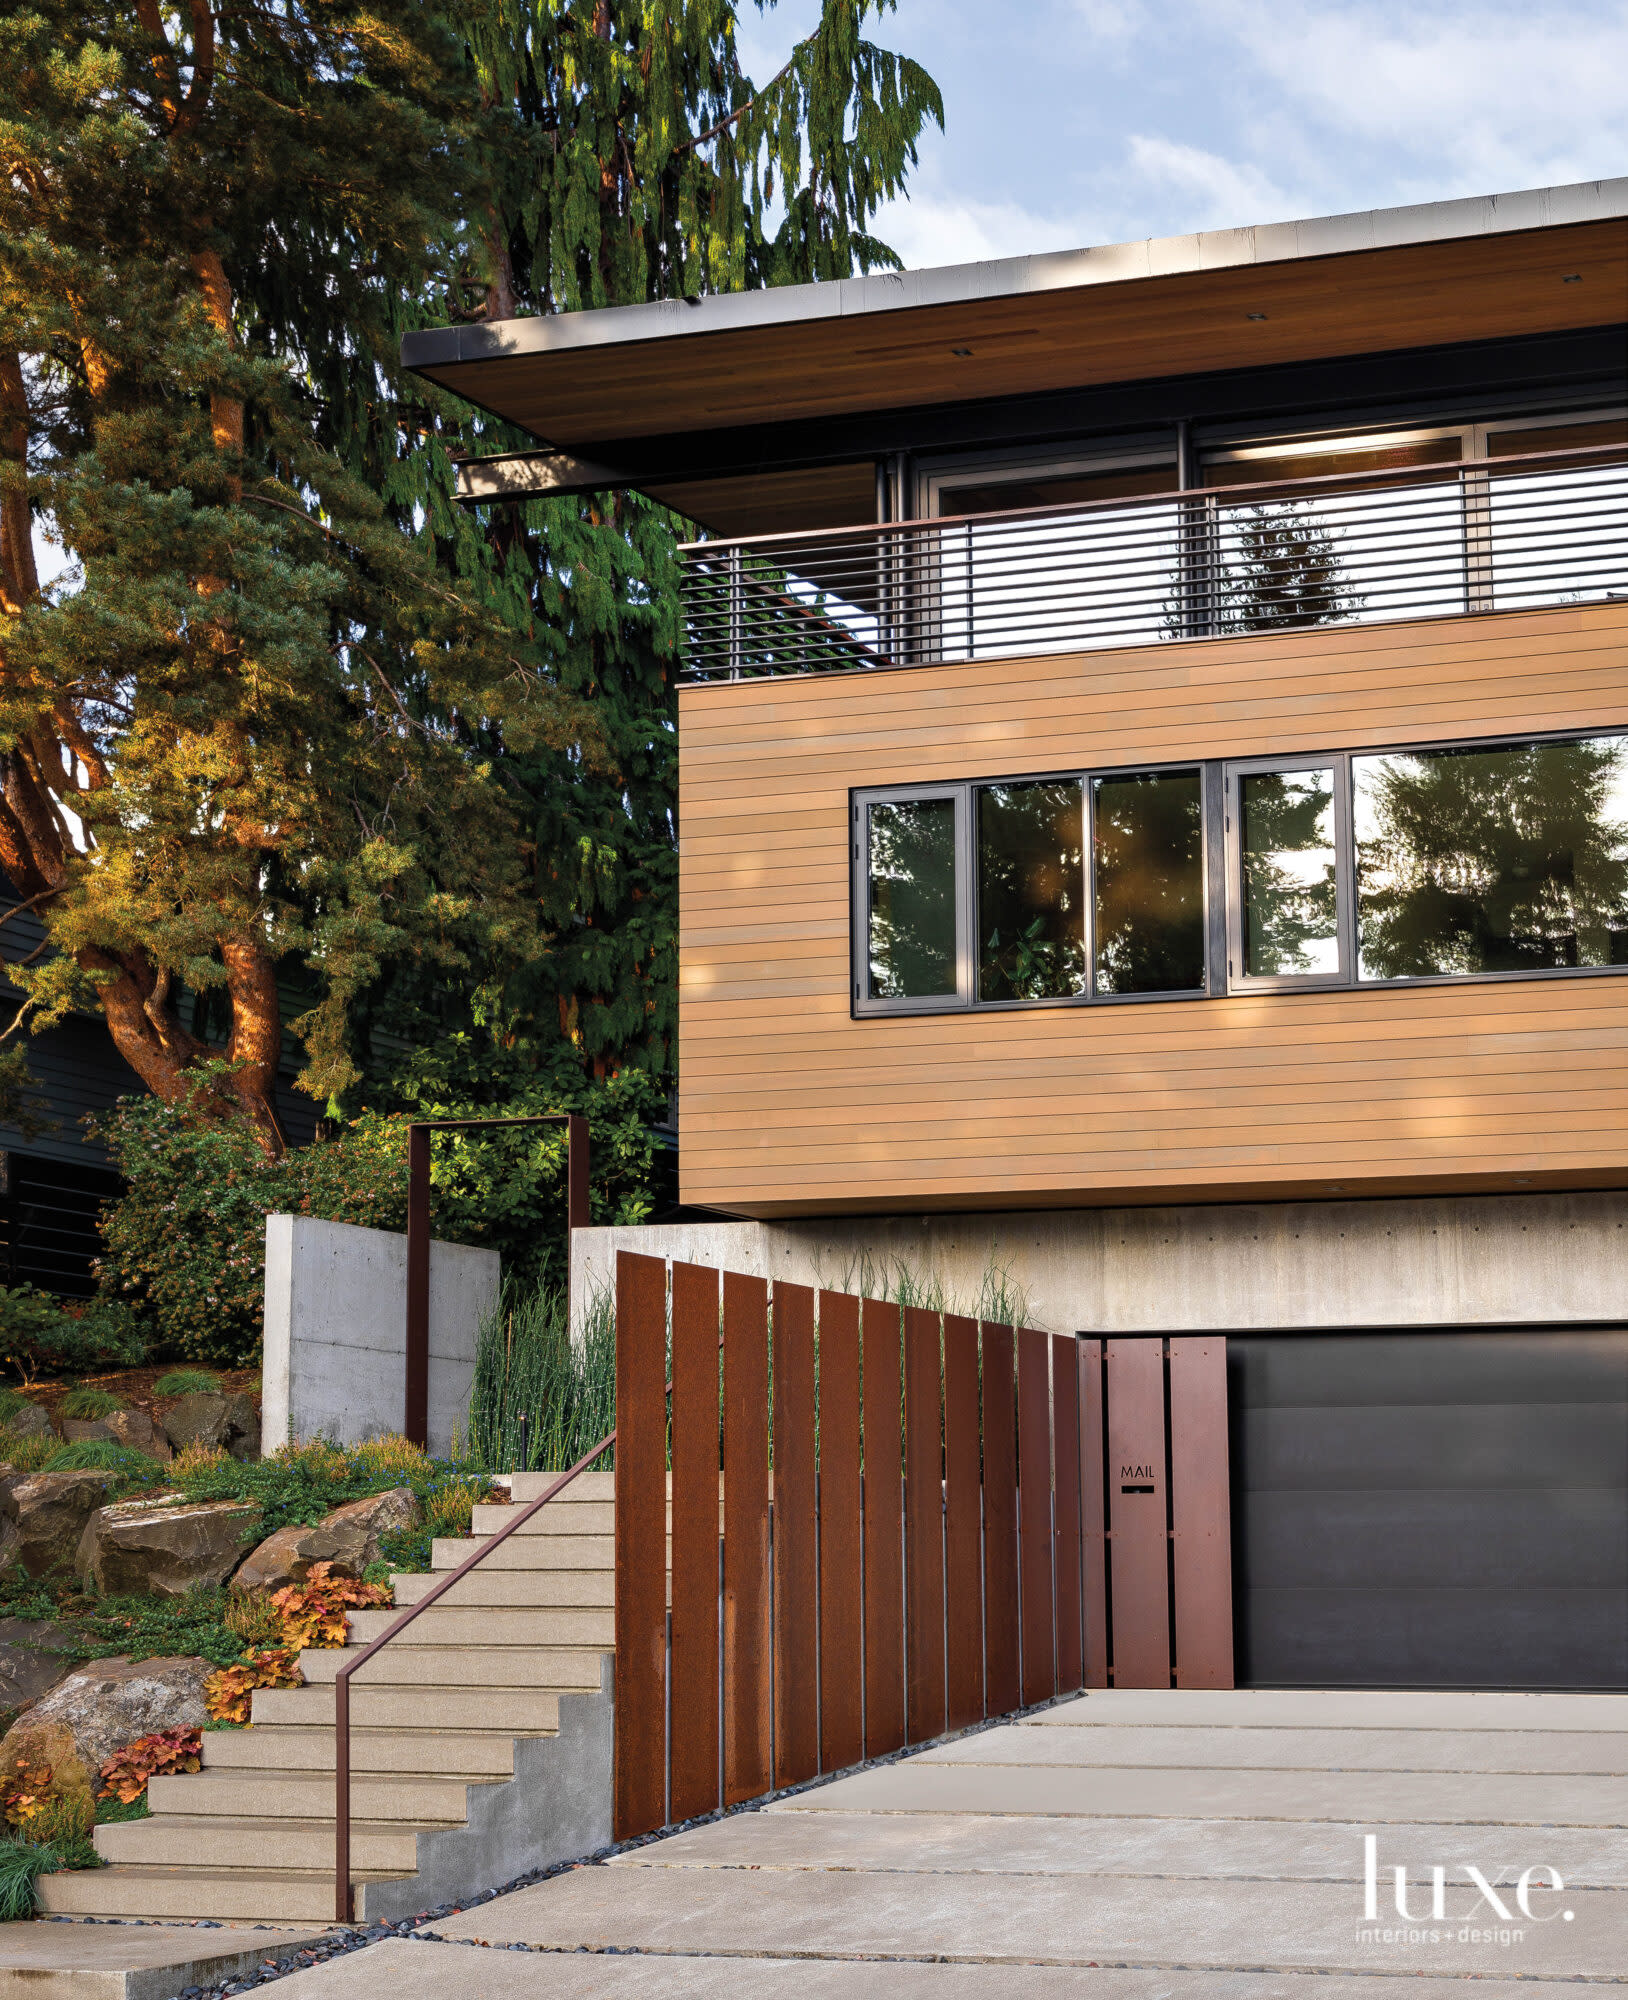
column 788, row 1105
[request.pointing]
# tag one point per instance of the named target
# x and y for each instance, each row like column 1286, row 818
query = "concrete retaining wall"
column 336, row 1332
column 1494, row 1260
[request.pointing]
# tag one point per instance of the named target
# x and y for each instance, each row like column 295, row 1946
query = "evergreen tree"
column 240, row 729
column 631, row 160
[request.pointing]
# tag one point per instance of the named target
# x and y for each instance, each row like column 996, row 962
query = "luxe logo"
column 1530, row 1882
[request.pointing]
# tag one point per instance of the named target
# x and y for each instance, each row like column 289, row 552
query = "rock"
column 165, row 1546
column 31, row 1662
column 221, row 1423
column 136, row 1430
column 102, row 1707
column 30, row 1421
column 43, row 1515
column 76, row 1430
column 348, row 1538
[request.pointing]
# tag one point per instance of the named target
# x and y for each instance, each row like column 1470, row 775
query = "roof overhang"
column 1501, row 266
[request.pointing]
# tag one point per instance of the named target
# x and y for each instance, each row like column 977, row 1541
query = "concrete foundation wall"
column 336, row 1331
column 1494, row 1260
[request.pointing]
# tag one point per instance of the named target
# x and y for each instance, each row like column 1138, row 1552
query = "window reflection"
column 1290, row 901
column 1149, row 837
column 1508, row 859
column 912, row 899
column 1031, row 932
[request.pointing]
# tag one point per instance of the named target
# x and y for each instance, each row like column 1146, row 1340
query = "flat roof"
column 1487, row 267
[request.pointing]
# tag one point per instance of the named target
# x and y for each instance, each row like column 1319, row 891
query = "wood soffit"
column 665, row 380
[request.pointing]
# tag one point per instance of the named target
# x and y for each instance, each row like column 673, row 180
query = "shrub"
column 253, row 1618
column 526, row 1364
column 197, row 1457
column 124, row 1776
column 38, row 1332
column 186, row 1242
column 313, row 1613
column 392, row 1454
column 187, row 1382
column 86, row 1403
column 228, row 1693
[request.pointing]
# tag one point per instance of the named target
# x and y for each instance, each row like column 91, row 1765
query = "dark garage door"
column 1434, row 1509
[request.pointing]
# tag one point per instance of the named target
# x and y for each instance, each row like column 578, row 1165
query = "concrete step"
column 524, row 1711
column 556, row 1667
column 589, row 1486
column 456, row 1753
column 181, row 1840
column 222, row 1895
column 523, row 1551
column 415, row 1799
column 559, row 1517
column 515, row 1587
column 488, row 1625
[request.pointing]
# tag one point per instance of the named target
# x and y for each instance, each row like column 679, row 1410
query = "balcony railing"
column 1412, row 542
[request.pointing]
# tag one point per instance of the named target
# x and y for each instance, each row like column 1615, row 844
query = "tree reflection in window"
column 1031, row 899
column 1508, row 859
column 1281, row 570
column 1290, row 899
column 912, row 899
column 1149, row 834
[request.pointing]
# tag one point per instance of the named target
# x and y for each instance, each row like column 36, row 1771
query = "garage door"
column 1440, row 1509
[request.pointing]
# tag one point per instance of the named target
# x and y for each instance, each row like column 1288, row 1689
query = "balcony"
column 1498, row 534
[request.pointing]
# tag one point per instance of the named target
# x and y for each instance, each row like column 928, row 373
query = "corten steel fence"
column 1213, row 562
column 882, row 1524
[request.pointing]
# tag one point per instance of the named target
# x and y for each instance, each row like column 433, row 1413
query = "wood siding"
column 790, row 1106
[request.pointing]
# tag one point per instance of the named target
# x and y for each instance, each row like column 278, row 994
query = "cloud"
column 1507, row 99
column 929, row 229
column 1215, row 193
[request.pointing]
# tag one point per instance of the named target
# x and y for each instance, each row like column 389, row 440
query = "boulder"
column 31, row 1662
column 43, row 1516
column 348, row 1538
column 163, row 1547
column 85, row 1430
column 136, row 1430
column 30, row 1421
column 102, row 1707
column 220, row 1423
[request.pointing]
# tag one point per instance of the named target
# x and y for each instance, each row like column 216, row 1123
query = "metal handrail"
column 1400, row 541
column 344, row 1901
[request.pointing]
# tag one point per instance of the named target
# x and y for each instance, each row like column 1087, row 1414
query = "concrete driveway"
column 1126, row 1844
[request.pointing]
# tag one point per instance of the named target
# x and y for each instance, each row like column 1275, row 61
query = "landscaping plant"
column 41, row 1334
column 526, row 1364
column 85, row 1403
column 313, row 1612
column 187, row 1382
column 124, row 1776
column 229, row 1691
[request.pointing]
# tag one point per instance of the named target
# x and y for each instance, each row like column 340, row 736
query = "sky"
column 1073, row 122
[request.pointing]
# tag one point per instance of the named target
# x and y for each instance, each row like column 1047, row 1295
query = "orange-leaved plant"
column 228, row 1691
column 124, row 1776
column 23, row 1790
column 313, row 1613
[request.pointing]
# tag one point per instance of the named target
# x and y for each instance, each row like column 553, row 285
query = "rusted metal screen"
column 904, row 1522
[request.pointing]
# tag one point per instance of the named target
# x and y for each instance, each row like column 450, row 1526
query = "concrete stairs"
column 480, row 1748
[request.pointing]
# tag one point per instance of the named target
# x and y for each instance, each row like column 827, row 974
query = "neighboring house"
column 1154, row 786
column 56, row 1178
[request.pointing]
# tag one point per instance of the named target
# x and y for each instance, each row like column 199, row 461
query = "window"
column 1358, row 868
column 1507, row 859
column 1149, row 868
column 1285, row 822
column 913, row 928
column 1031, row 891
column 1076, row 888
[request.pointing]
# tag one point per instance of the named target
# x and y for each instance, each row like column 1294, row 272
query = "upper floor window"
column 1477, row 860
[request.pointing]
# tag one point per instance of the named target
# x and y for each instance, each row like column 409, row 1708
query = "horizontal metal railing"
column 1408, row 542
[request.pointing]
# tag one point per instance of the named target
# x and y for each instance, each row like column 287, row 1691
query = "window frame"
column 1345, row 929
column 862, row 798
column 860, row 803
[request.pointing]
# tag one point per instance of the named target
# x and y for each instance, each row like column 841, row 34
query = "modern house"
column 1154, row 821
